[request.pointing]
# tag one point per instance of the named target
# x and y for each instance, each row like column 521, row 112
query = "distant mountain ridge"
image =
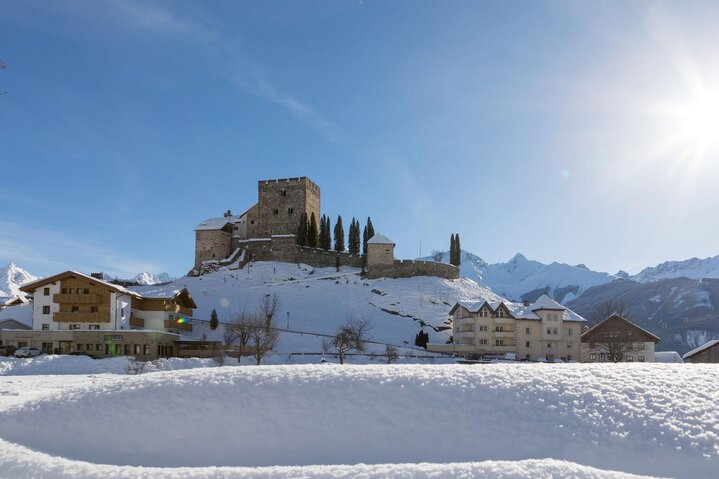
column 693, row 268
column 524, row 279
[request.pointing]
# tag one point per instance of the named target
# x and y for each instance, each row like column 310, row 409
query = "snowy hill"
column 694, row 268
column 521, row 278
column 11, row 278
column 472, row 266
column 318, row 300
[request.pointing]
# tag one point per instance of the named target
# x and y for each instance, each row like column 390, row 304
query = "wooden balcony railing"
column 173, row 324
column 76, row 298
column 81, row 317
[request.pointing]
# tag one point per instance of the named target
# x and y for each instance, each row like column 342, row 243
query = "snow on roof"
column 668, row 357
column 522, row 311
column 379, row 238
column 216, row 223
column 36, row 284
column 701, row 348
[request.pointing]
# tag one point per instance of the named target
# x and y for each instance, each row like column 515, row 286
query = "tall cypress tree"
column 364, row 240
column 323, row 232
column 368, row 234
column 339, row 235
column 451, row 249
column 312, row 234
column 326, row 238
column 458, row 251
column 302, row 230
column 354, row 237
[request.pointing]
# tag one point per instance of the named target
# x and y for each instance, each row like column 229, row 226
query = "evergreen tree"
column 214, row 322
column 421, row 339
column 353, row 241
column 312, row 233
column 323, row 232
column 339, row 235
column 458, row 251
column 302, row 230
column 451, row 249
column 364, row 240
column 370, row 228
column 328, row 238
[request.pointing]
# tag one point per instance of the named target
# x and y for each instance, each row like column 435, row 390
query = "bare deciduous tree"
column 241, row 329
column 351, row 336
column 392, row 354
column 605, row 310
column 262, row 335
column 269, row 304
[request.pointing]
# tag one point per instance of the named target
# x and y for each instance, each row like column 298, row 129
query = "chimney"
column 527, row 303
column 228, row 214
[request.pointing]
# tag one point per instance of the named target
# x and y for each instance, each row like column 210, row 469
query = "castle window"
column 283, row 192
column 275, row 211
column 290, row 211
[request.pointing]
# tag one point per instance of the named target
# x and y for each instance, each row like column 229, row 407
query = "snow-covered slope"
column 694, row 268
column 323, row 416
column 11, row 278
column 521, row 278
column 318, row 300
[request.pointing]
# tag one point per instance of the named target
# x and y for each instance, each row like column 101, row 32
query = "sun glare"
column 699, row 120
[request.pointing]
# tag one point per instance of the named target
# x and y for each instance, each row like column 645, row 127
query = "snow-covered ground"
column 319, row 300
column 501, row 420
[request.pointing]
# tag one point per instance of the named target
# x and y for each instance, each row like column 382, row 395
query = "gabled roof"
column 519, row 310
column 168, row 295
column 30, row 287
column 12, row 300
column 13, row 324
column 595, row 334
column 379, row 238
column 701, row 348
column 217, row 223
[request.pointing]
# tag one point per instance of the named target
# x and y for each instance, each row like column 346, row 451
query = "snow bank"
column 645, row 419
column 62, row 364
column 173, row 364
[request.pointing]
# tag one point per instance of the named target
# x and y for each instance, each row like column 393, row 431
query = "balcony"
column 173, row 324
column 76, row 298
column 81, row 317
column 503, row 334
column 137, row 322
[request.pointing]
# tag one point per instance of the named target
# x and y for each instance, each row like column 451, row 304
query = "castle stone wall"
column 280, row 204
column 211, row 245
column 284, row 249
column 409, row 268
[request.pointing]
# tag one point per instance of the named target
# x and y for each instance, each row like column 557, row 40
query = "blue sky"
column 563, row 130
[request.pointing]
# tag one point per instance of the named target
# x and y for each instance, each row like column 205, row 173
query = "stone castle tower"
column 280, row 204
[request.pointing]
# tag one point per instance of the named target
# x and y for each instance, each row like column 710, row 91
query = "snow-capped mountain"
column 11, row 278
column 149, row 279
column 521, row 278
column 694, row 268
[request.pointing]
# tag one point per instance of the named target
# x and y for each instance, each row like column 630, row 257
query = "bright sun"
column 699, row 121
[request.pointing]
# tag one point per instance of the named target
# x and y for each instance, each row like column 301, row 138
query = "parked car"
column 7, row 350
column 27, row 352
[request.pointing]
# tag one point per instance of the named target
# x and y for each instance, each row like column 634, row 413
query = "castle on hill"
column 267, row 232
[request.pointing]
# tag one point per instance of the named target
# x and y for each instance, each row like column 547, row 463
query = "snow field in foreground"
column 657, row 420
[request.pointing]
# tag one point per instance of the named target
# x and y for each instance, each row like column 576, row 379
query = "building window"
column 549, row 331
column 74, row 326
column 46, row 310
column 147, row 349
column 483, row 341
column 641, row 359
column 528, row 331
column 499, row 342
column 46, row 292
column 93, row 309
column 290, row 211
column 641, row 346
column 630, row 346
column 483, row 327
column 499, row 329
column 45, row 327
column 94, row 326
column 89, row 347
column 527, row 344
column 275, row 211
column 549, row 345
column 80, row 347
column 86, row 291
column 569, row 346
column 592, row 357
column 555, row 331
column 283, row 192
column 98, row 347
column 136, row 348
column 630, row 359
column 75, row 309
column 569, row 331
column 64, row 290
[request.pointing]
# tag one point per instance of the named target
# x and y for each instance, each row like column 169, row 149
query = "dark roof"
column 596, row 334
column 12, row 324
